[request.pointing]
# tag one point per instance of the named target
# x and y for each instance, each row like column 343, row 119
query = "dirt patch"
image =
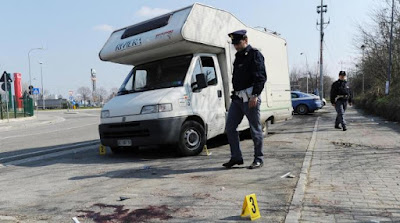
column 198, row 177
column 117, row 213
column 201, row 195
column 345, row 144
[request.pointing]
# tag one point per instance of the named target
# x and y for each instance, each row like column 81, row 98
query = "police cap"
column 237, row 36
column 342, row 73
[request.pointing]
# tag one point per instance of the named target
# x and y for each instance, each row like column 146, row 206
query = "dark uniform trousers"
column 340, row 106
column 237, row 111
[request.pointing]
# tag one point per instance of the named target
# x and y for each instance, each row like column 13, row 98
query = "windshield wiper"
column 122, row 92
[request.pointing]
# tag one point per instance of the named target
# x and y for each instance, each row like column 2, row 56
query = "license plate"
column 124, row 142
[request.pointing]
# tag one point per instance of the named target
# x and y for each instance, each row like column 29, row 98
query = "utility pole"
column 363, row 81
column 389, row 71
column 321, row 10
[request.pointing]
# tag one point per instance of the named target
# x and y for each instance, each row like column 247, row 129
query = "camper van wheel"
column 191, row 139
column 302, row 109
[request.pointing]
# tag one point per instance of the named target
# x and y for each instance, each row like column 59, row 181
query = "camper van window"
column 206, row 66
column 146, row 26
column 165, row 73
column 209, row 70
column 141, row 79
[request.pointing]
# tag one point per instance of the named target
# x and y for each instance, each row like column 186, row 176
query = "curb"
column 18, row 119
column 38, row 123
column 296, row 205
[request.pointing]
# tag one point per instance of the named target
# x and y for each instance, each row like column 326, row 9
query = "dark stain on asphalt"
column 344, row 144
column 119, row 214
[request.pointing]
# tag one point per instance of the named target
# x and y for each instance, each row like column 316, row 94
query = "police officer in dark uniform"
column 249, row 77
column 340, row 95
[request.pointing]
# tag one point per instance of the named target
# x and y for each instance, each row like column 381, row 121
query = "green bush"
column 384, row 106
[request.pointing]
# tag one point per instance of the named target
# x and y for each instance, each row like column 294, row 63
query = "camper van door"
column 209, row 102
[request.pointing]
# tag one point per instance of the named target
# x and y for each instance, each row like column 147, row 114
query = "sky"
column 73, row 32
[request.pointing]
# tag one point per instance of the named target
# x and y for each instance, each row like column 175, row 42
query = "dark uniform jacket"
column 340, row 88
column 249, row 70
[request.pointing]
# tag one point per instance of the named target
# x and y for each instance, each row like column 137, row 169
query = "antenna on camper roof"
column 264, row 29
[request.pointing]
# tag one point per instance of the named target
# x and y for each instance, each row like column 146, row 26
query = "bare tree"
column 113, row 93
column 101, row 94
column 373, row 63
column 295, row 75
column 85, row 93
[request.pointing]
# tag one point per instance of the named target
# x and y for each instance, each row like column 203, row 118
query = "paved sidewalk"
column 29, row 122
column 354, row 175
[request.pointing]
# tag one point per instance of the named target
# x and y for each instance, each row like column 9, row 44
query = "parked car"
column 323, row 100
column 305, row 103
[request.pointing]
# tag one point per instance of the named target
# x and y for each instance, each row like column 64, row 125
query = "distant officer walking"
column 340, row 95
column 249, row 77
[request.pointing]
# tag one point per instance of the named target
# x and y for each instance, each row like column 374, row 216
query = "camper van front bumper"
column 142, row 133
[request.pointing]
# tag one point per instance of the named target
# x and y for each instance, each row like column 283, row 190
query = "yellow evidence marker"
column 250, row 207
column 102, row 150
column 205, row 150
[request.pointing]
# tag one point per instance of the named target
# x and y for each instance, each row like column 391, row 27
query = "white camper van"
column 178, row 91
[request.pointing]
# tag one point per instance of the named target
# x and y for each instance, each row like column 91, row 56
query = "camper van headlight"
column 164, row 107
column 105, row 114
column 156, row 108
column 149, row 109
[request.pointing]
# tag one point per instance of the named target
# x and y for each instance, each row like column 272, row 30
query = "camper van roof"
column 193, row 29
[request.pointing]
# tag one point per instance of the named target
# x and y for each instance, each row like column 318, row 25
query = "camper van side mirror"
column 201, row 81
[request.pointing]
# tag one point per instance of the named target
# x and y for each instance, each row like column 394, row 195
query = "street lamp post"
column 389, row 70
column 93, row 77
column 307, row 72
column 29, row 60
column 41, row 77
column 363, row 51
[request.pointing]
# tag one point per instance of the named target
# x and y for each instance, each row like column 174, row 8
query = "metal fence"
column 26, row 108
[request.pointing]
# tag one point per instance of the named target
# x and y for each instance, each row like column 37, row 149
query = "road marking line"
column 296, row 205
column 47, row 156
column 16, row 136
column 49, row 150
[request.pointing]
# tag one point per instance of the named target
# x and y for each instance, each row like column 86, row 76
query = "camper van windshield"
column 159, row 74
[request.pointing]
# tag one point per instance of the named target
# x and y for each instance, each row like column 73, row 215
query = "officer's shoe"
column 337, row 127
column 344, row 128
column 256, row 164
column 231, row 163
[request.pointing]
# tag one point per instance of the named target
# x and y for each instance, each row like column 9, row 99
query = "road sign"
column 2, row 79
column 3, row 86
column 35, row 91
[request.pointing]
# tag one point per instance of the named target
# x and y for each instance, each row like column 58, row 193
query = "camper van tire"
column 192, row 139
column 302, row 109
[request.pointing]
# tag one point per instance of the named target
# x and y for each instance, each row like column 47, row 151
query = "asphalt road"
column 43, row 180
column 51, row 129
